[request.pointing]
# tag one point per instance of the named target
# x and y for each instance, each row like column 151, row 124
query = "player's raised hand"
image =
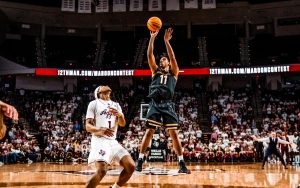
column 168, row 34
column 153, row 34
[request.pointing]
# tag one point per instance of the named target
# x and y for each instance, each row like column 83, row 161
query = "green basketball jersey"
column 162, row 85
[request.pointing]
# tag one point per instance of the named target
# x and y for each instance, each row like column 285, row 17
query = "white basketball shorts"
column 107, row 150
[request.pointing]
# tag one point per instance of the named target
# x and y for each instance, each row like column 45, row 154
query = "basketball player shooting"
column 102, row 119
column 161, row 107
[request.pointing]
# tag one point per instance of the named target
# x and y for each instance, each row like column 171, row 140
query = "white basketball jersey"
column 99, row 110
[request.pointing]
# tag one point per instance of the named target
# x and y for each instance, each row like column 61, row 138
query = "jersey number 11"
column 163, row 79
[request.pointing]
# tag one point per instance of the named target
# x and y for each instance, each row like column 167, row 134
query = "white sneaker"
column 30, row 161
column 1, row 164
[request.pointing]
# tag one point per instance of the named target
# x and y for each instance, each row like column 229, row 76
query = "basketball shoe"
column 139, row 165
column 183, row 168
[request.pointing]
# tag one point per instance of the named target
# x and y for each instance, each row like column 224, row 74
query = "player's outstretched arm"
column 171, row 54
column 263, row 140
column 283, row 141
column 150, row 55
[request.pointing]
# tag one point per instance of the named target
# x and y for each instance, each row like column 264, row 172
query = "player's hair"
column 96, row 92
column 164, row 54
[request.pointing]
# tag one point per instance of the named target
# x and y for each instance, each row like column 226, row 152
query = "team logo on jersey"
column 102, row 152
column 107, row 113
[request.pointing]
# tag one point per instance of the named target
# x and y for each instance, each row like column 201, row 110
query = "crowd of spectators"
column 58, row 119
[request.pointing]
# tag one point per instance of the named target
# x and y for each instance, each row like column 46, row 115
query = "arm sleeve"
column 91, row 110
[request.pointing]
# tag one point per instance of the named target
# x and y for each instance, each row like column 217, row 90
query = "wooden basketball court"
column 155, row 175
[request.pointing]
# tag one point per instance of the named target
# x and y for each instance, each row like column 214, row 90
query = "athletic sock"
column 180, row 158
column 141, row 156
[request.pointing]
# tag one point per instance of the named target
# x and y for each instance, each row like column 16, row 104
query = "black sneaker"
column 285, row 167
column 262, row 167
column 139, row 165
column 183, row 168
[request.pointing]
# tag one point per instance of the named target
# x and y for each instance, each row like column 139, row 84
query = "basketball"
column 2, row 126
column 154, row 24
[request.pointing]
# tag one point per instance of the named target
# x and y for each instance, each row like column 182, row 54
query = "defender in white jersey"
column 102, row 120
